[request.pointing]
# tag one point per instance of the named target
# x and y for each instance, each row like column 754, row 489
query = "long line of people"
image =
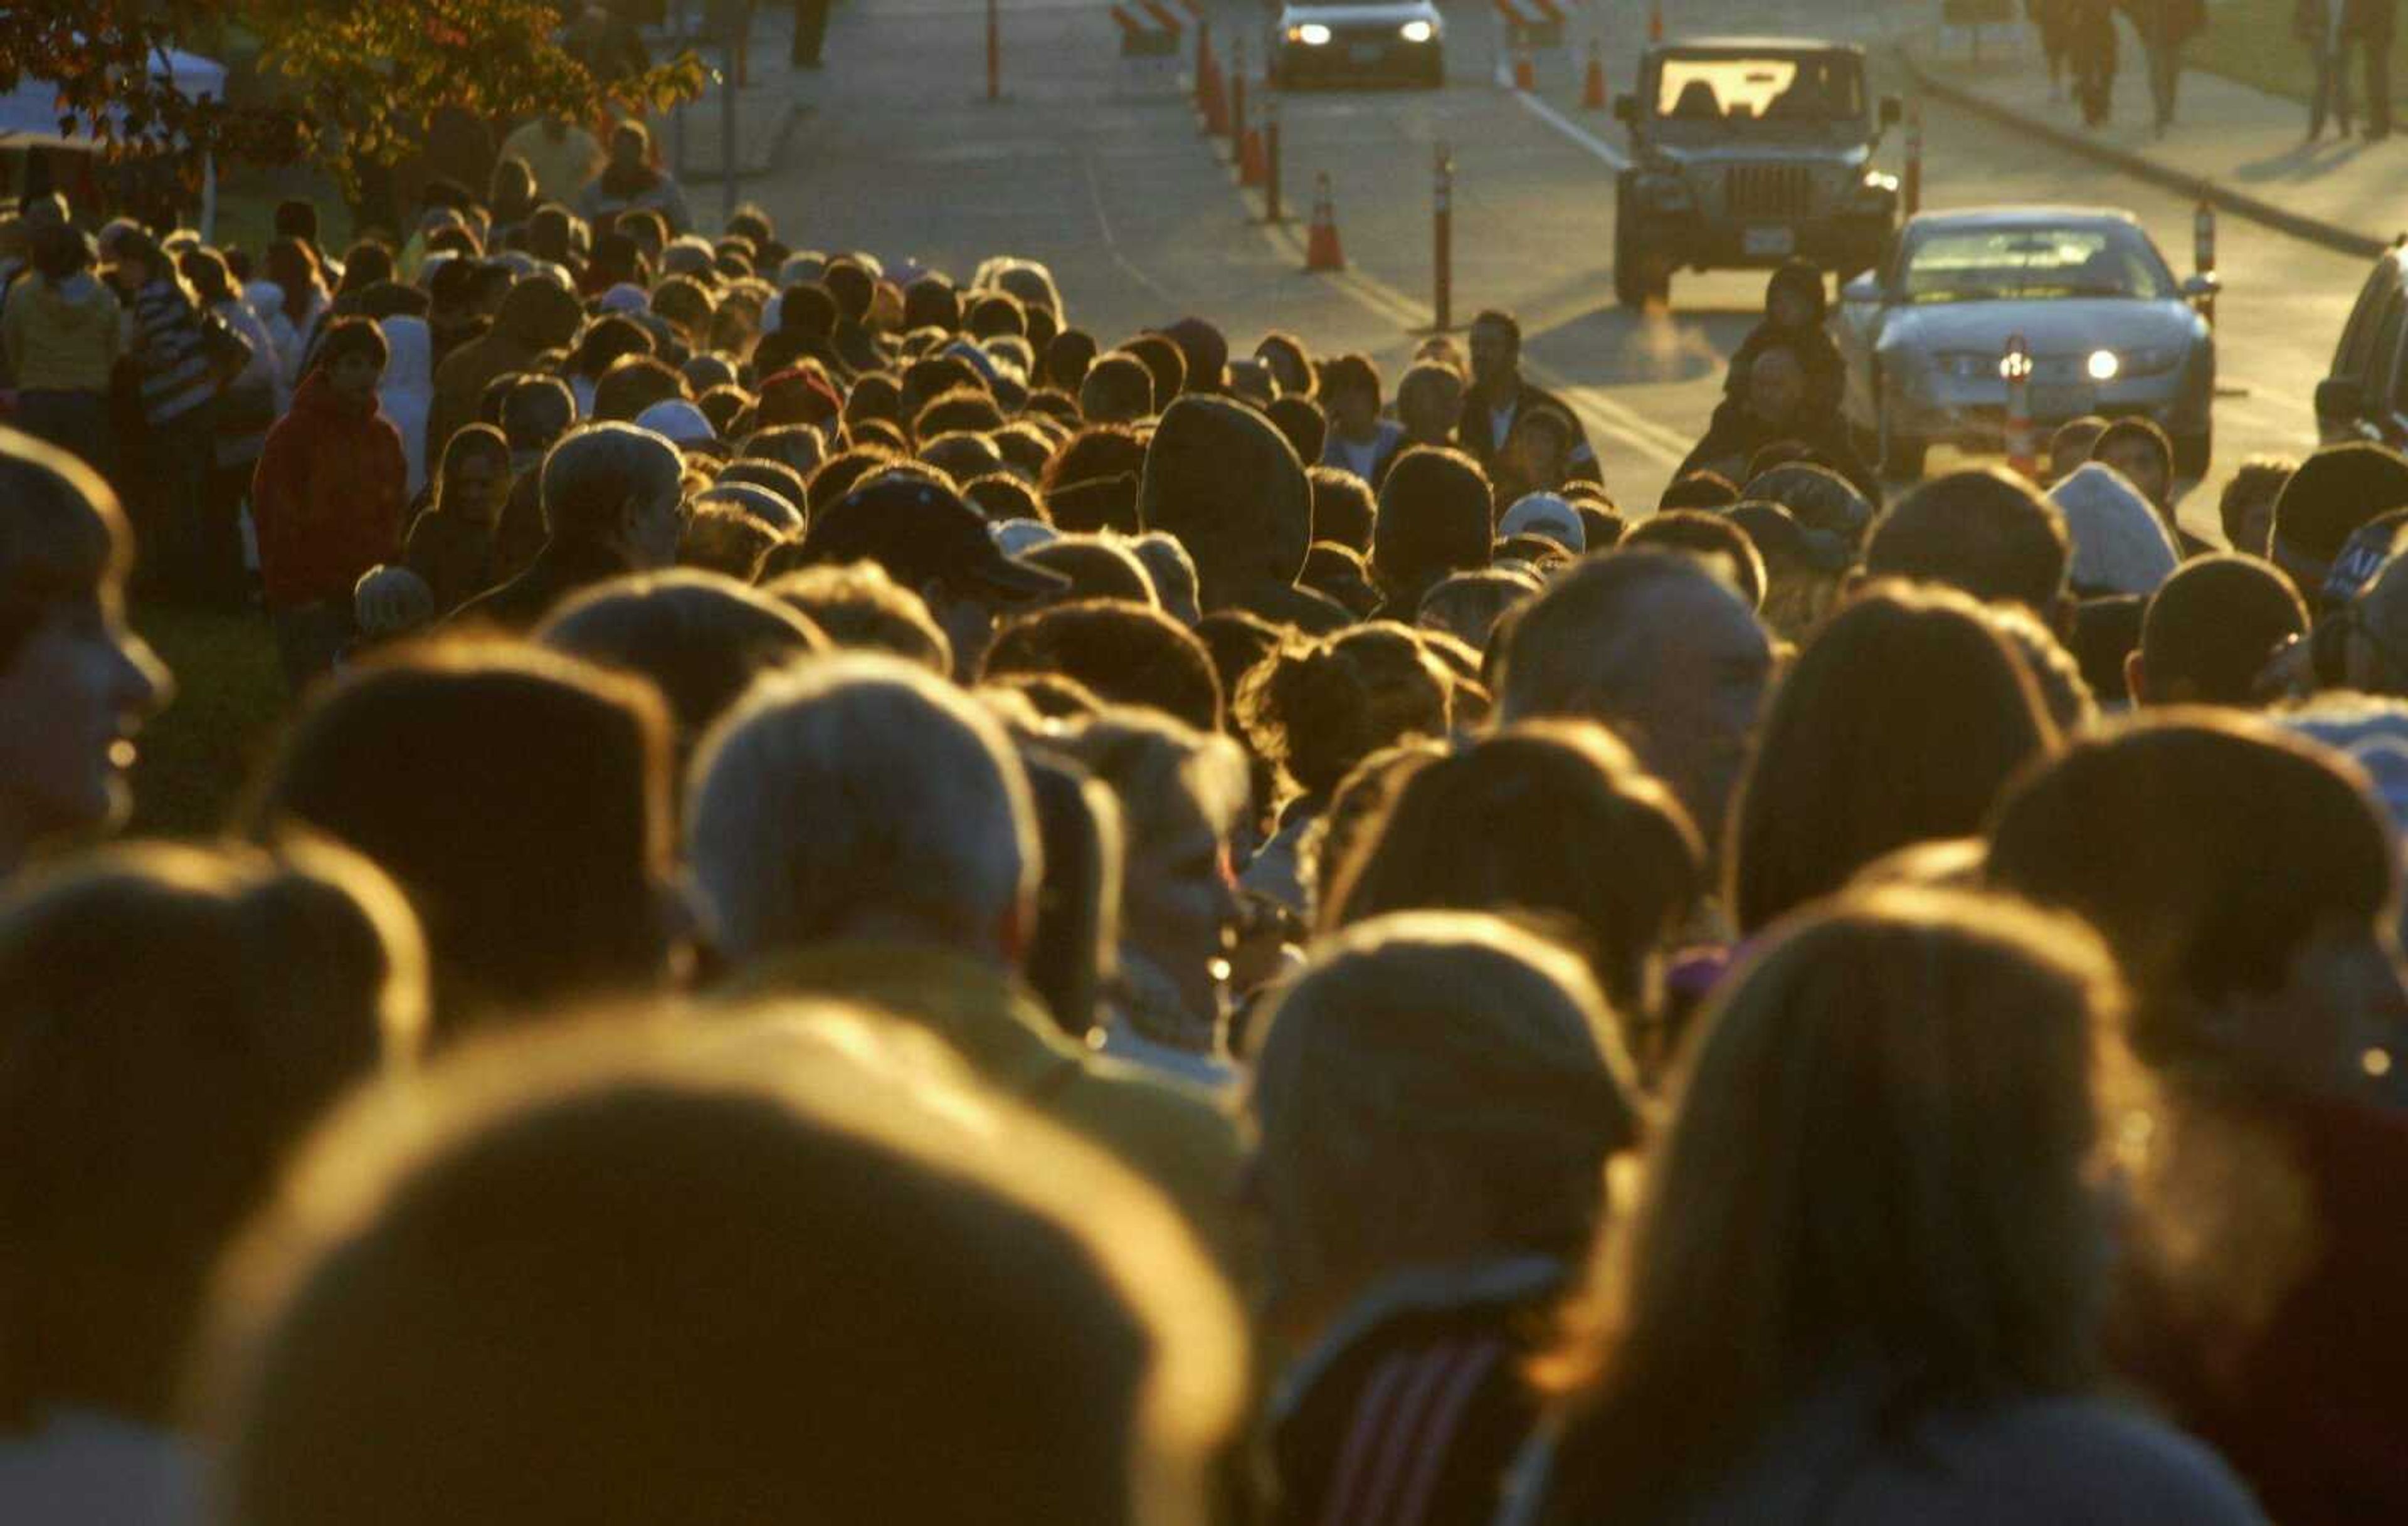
column 874, row 907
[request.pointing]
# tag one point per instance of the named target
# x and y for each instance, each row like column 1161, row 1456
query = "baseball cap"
column 1544, row 514
column 680, row 422
column 920, row 532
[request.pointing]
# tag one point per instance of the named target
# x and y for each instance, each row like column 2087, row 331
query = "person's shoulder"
column 2120, row 1463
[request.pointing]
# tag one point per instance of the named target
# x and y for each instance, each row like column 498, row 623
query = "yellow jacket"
column 61, row 337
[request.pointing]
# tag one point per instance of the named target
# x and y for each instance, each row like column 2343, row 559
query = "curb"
column 2141, row 168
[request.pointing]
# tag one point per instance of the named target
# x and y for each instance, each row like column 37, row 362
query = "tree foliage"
column 355, row 79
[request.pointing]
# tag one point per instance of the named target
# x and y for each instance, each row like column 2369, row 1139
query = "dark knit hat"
column 797, row 396
column 2335, row 490
column 1206, row 352
column 1226, row 485
column 1103, row 502
column 1434, row 518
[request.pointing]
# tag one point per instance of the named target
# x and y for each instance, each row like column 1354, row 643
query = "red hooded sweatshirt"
column 327, row 496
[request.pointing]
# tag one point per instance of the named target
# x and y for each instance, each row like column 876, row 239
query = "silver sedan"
column 2108, row 327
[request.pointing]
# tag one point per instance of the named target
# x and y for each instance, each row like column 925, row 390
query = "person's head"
column 1432, row 1090
column 1551, row 819
column 1902, row 720
column 1794, row 297
column 1776, row 385
column 633, row 383
column 2070, row 446
column 616, row 486
column 1663, row 654
column 1882, row 1154
column 1468, row 606
column 296, row 216
column 475, row 476
column 1226, row 483
column 2246, row 508
column 721, row 537
column 2210, row 630
column 1982, row 532
column 1116, row 388
column 1172, row 573
column 521, row 802
column 860, row 608
column 862, row 797
column 1350, row 392
column 205, row 271
column 1318, row 708
column 2245, row 879
column 1344, row 507
column 1179, row 791
column 59, row 250
column 631, row 145
column 618, row 1270
column 75, row 681
column 1824, row 502
column 537, row 410
column 699, row 639
column 1429, row 400
column 1495, row 353
column 172, row 1021
column 2139, row 449
column 351, row 354
column 1434, row 518
column 2335, row 490
column 1715, row 541
column 1124, row 653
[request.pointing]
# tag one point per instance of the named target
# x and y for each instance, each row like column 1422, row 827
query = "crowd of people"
column 874, row 907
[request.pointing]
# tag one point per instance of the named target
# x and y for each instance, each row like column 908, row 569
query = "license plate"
column 1768, row 242
column 2061, row 402
column 1365, row 52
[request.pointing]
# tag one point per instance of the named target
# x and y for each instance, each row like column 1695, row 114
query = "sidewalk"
column 693, row 138
column 2239, row 148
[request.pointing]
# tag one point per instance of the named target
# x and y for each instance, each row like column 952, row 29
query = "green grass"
column 197, row 753
column 2250, row 41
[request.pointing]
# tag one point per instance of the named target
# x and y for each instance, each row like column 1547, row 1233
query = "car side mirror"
column 2205, row 284
column 2341, row 398
column 1866, row 288
column 1891, row 111
column 1626, row 110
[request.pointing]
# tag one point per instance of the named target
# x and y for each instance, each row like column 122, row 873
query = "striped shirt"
column 170, row 352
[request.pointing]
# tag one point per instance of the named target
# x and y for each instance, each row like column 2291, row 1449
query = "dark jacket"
column 537, row 316
column 1475, row 431
column 1827, row 374
column 1735, row 434
column 456, row 557
column 1412, row 1410
column 326, row 497
column 558, row 571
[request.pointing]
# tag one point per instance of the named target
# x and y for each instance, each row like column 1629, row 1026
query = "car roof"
column 1752, row 45
column 2019, row 216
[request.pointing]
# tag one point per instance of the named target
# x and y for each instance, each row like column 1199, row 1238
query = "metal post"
column 993, row 54
column 1237, row 92
column 727, row 130
column 1271, row 155
column 1443, row 242
column 1911, row 187
column 2202, row 252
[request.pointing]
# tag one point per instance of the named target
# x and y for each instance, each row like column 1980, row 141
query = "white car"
column 2108, row 327
column 1320, row 41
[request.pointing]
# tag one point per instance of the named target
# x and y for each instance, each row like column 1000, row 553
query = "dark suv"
column 1750, row 152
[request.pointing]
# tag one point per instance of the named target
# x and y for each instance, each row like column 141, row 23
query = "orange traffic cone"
column 1321, row 251
column 1525, row 75
column 1656, row 23
column 1592, row 83
column 1253, row 168
column 1215, row 102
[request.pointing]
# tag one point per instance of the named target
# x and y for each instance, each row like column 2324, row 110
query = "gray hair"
column 1562, row 651
column 860, row 791
column 589, row 476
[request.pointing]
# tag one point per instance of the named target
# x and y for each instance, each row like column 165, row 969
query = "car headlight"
column 1877, row 189
column 2153, row 362
column 2102, row 365
column 1417, row 32
column 1312, row 34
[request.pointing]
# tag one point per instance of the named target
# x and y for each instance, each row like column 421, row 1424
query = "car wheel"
column 1629, row 281
column 2192, row 452
column 1900, row 455
column 1434, row 73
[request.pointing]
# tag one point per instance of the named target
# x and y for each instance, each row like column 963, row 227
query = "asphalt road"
column 1095, row 165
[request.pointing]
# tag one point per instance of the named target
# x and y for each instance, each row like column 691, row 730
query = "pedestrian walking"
column 811, row 29
column 2368, row 24
column 2317, row 24
column 2164, row 26
column 2091, row 48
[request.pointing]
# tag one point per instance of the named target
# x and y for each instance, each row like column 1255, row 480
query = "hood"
column 411, row 366
column 316, row 398
column 1809, row 151
column 539, row 314
column 2121, row 545
column 77, row 304
column 1224, row 483
column 2068, row 326
column 1386, row 12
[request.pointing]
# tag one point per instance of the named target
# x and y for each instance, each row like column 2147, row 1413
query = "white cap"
column 679, row 421
column 1017, row 536
column 1544, row 514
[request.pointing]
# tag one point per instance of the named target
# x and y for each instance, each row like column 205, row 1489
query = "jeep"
column 1748, row 152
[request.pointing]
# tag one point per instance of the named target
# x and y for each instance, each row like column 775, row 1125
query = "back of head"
column 812, row 1227
column 1228, row 486
column 1819, row 498
column 1124, row 653
column 1434, row 518
column 861, row 795
column 1880, row 1157
column 1559, row 652
column 2120, row 544
column 860, row 608
column 594, row 473
column 699, row 639
column 1469, row 604
column 1343, row 509
column 521, row 800
column 172, row 1021
column 1709, row 537
column 1435, row 1090
column 1553, row 820
column 1902, row 722
column 1984, row 532
column 2335, row 490
column 2208, row 848
column 2211, row 629
column 63, row 537
column 1318, row 708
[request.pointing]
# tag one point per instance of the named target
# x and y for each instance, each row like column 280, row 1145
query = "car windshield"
column 1799, row 91
column 1992, row 264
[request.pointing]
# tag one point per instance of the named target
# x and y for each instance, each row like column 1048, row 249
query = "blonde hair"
column 1434, row 1087
column 1881, row 1155
column 734, row 1271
